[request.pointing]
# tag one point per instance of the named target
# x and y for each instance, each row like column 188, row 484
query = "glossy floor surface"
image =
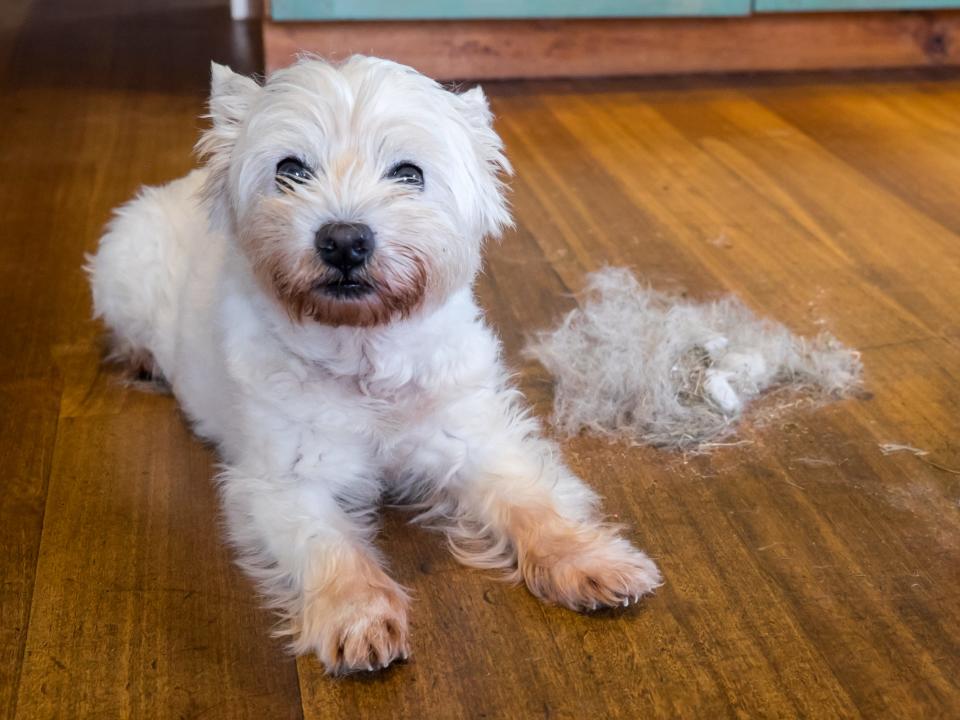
column 807, row 573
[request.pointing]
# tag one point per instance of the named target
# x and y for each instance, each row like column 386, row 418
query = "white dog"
column 307, row 295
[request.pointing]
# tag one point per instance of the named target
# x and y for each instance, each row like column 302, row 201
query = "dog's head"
column 359, row 193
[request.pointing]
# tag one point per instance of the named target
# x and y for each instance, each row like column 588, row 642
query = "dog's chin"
column 353, row 302
column 377, row 294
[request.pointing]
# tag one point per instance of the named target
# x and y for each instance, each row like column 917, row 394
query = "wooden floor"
column 807, row 574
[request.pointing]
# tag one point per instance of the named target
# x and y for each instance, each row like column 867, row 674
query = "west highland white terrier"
column 307, row 294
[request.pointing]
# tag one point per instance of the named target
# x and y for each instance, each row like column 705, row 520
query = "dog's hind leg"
column 137, row 273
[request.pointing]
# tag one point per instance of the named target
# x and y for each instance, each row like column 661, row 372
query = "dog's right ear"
column 492, row 208
column 231, row 95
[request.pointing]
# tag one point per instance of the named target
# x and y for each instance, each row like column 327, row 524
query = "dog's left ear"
column 476, row 107
column 491, row 196
column 231, row 96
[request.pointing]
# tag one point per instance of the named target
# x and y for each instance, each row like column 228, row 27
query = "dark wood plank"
column 911, row 124
column 28, row 425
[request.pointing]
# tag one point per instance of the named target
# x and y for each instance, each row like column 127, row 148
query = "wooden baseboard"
column 489, row 49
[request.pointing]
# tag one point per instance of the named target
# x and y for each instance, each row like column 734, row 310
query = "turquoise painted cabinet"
column 289, row 10
column 454, row 9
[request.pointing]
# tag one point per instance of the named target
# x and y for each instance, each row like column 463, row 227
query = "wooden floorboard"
column 807, row 574
column 28, row 425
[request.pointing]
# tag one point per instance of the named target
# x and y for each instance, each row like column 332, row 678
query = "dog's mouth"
column 344, row 288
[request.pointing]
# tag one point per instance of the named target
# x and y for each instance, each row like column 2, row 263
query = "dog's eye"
column 407, row 174
column 292, row 170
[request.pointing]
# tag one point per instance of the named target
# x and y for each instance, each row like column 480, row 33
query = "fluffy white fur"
column 320, row 406
column 649, row 367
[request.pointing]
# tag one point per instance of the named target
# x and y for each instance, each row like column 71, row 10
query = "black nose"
column 344, row 246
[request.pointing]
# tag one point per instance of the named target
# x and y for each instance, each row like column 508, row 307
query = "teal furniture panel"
column 827, row 5
column 460, row 10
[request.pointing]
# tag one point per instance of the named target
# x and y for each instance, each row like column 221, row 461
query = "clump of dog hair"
column 636, row 364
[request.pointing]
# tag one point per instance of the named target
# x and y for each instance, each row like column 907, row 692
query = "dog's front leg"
column 316, row 565
column 514, row 504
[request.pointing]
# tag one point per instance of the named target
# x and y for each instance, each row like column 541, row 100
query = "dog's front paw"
column 360, row 632
column 587, row 568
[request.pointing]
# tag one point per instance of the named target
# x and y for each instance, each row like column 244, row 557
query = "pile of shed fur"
column 641, row 365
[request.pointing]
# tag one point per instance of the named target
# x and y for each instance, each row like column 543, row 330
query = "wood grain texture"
column 489, row 49
column 807, row 574
column 28, row 425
